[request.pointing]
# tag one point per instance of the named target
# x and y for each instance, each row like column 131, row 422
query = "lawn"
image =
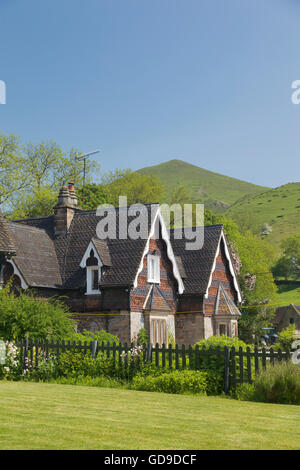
column 287, row 294
column 50, row 416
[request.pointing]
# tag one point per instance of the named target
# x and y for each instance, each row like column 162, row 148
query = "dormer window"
column 153, row 264
column 93, row 274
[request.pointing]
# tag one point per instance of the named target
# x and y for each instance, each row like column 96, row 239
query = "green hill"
column 217, row 191
column 279, row 207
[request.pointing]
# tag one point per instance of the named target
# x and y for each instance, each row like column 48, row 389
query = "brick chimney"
column 65, row 209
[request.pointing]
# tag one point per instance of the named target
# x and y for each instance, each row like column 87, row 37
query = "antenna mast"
column 84, row 157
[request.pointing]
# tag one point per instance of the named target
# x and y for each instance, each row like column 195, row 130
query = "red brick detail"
column 167, row 286
column 221, row 274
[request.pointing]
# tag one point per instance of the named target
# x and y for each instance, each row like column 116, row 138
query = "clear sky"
column 206, row 81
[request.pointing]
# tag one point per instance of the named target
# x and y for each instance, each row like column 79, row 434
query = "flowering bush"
column 12, row 368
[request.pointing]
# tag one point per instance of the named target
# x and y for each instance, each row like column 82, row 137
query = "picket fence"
column 239, row 365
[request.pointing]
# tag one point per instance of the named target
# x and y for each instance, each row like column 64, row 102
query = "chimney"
column 65, row 209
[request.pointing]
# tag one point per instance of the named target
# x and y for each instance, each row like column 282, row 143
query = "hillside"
column 217, row 191
column 279, row 207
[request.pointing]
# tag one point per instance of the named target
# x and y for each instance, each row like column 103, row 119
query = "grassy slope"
column 47, row 416
column 287, row 295
column 204, row 185
column 279, row 207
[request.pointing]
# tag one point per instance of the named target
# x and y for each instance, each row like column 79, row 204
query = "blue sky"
column 146, row 81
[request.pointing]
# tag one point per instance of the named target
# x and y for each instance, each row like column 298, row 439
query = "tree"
column 13, row 177
column 36, row 204
column 92, row 195
column 138, row 188
column 288, row 265
column 44, row 168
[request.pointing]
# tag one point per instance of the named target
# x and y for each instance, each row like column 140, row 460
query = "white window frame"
column 153, row 267
column 89, row 279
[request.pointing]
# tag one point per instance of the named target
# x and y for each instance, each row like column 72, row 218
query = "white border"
column 86, row 255
column 24, row 284
column 166, row 238
column 235, row 283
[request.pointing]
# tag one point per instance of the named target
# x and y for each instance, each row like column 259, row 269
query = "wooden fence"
column 238, row 366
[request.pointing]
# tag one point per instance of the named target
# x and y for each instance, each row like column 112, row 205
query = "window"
column 92, row 279
column 93, row 273
column 153, row 263
column 159, row 331
column 222, row 329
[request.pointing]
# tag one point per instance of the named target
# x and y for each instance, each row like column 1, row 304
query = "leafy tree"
column 44, row 167
column 36, row 204
column 24, row 316
column 12, row 175
column 138, row 188
column 180, row 195
column 92, row 195
column 288, row 265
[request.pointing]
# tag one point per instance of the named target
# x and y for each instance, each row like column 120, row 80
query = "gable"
column 158, row 229
column 224, row 305
column 147, row 295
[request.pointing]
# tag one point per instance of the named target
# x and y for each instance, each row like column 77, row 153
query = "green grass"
column 215, row 190
column 279, row 207
column 287, row 295
column 50, row 416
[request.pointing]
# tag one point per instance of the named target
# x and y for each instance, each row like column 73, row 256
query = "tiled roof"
column 35, row 255
column 6, row 242
column 46, row 260
column 197, row 264
column 121, row 256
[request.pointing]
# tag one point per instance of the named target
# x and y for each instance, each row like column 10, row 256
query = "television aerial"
column 83, row 158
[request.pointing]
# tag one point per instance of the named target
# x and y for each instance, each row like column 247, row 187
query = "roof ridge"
column 27, row 226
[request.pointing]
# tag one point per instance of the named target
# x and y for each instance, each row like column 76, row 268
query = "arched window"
column 93, row 274
column 153, row 265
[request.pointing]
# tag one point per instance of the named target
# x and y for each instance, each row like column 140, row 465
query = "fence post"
column 94, row 346
column 226, row 368
column 149, row 352
column 26, row 354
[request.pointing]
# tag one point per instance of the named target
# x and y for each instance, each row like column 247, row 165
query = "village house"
column 286, row 316
column 123, row 285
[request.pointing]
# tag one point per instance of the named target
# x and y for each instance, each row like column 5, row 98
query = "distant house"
column 123, row 285
column 286, row 316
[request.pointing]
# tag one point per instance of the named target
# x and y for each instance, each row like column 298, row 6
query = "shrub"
column 185, row 381
column 221, row 341
column 278, row 384
column 26, row 316
column 285, row 338
column 142, row 337
column 214, row 363
column 101, row 336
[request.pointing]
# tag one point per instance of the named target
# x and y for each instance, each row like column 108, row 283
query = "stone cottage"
column 121, row 284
